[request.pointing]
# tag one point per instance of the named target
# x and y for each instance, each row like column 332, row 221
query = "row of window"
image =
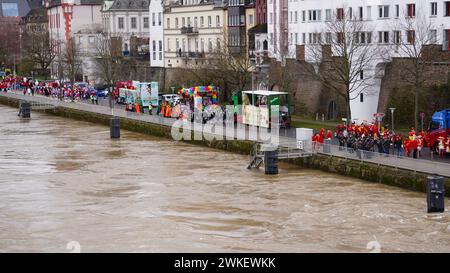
column 198, row 44
column 159, row 51
column 193, row 21
column 383, row 37
column 134, row 22
column 54, row 21
column 361, row 13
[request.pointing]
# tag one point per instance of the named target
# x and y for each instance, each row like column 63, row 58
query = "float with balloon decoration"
column 198, row 93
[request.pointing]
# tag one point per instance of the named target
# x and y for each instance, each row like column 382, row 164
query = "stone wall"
column 396, row 74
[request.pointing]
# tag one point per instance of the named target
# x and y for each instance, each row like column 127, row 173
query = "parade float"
column 256, row 107
column 200, row 99
column 144, row 94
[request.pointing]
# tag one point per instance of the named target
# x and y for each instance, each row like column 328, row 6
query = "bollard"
column 115, row 127
column 24, row 109
column 435, row 194
column 271, row 162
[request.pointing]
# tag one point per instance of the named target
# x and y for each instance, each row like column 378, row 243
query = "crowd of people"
column 371, row 138
column 49, row 89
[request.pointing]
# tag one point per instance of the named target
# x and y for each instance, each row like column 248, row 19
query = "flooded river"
column 65, row 181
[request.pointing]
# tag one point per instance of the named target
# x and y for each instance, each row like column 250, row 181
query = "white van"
column 171, row 98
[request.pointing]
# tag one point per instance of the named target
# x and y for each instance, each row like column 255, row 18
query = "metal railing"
column 391, row 159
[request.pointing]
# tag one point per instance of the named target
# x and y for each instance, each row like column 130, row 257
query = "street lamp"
column 173, row 90
column 392, row 115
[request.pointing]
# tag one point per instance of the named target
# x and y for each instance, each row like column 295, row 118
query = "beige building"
column 192, row 31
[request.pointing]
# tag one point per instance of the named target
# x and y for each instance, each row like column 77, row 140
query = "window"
column 340, row 13
column 397, row 11
column 202, row 21
column 340, row 37
column 360, row 13
column 209, row 45
column 159, row 19
column 147, row 23
column 296, row 38
column 397, row 37
column 153, row 19
column 270, row 18
column 411, row 34
column 133, row 22
column 177, row 44
column 176, row 22
column 361, row 97
column 154, row 45
column 410, row 10
column 446, row 43
column 328, row 15
column 303, row 15
column 383, row 37
column 433, row 8
column 361, row 74
column 303, row 38
column 383, row 11
column 160, row 45
column 314, row 15
column 168, row 44
column 328, row 38
column 183, row 22
column 195, row 22
column 91, row 39
column 209, row 21
column 447, row 8
column 120, row 23
column 217, row 21
column 168, row 23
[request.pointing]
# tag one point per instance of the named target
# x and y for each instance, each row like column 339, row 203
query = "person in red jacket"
column 321, row 135
column 329, row 135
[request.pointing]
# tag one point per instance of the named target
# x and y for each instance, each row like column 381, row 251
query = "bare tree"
column 412, row 35
column 223, row 66
column 40, row 51
column 343, row 57
column 107, row 62
column 284, row 50
column 72, row 62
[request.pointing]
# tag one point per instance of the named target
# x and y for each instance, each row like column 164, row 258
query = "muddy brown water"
column 63, row 181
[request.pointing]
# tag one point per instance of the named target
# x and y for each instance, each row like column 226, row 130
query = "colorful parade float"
column 201, row 100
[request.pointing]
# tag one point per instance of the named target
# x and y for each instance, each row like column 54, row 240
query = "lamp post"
column 173, row 90
column 392, row 117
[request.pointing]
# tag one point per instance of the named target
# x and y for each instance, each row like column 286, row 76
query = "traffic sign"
column 379, row 115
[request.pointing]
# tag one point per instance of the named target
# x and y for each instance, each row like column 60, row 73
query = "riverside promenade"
column 286, row 138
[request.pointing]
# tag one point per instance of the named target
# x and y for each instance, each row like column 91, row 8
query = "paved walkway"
column 286, row 137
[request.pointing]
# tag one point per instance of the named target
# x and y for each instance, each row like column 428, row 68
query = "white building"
column 129, row 21
column 192, row 29
column 87, row 41
column 303, row 22
column 67, row 17
column 156, row 46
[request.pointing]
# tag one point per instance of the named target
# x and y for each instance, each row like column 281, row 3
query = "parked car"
column 102, row 93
